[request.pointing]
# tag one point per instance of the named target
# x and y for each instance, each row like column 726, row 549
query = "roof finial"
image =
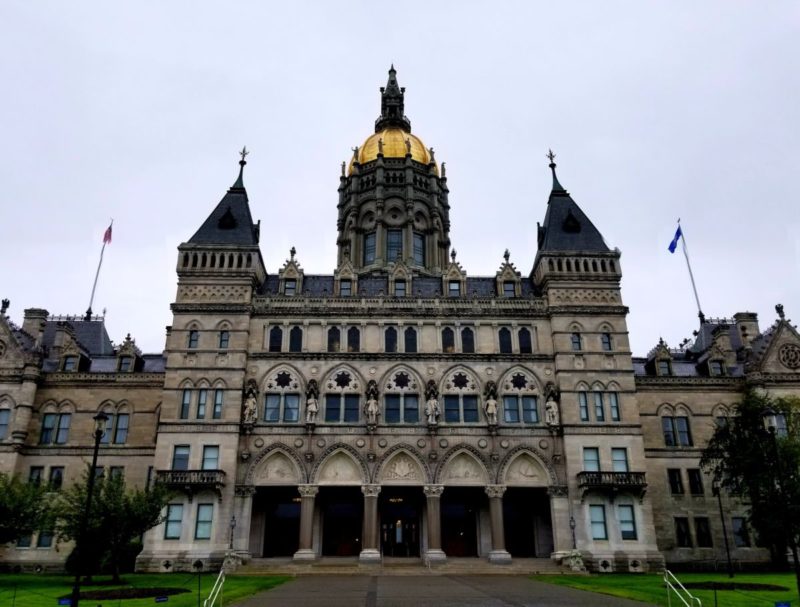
column 506, row 255
column 556, row 186
column 4, row 306
column 240, row 180
column 292, row 253
column 779, row 310
column 453, row 255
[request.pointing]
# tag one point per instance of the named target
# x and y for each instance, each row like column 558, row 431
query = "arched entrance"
column 341, row 504
column 526, row 507
column 401, row 504
column 464, row 505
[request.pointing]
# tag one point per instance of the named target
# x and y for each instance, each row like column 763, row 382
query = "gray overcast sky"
column 656, row 110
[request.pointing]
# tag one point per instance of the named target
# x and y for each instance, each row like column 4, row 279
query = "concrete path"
column 424, row 591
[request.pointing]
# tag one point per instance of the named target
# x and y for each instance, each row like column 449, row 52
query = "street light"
column 99, row 429
column 233, row 526
column 718, row 492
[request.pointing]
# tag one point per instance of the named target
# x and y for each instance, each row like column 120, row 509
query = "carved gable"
column 277, row 469
column 340, row 469
column 402, row 469
column 526, row 471
column 464, row 469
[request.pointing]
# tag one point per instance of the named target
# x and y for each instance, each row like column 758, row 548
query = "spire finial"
column 292, row 253
column 240, row 180
column 557, row 187
column 506, row 255
column 779, row 310
column 453, row 255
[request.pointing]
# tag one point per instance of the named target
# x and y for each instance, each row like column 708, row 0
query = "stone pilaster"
column 499, row 554
column 370, row 552
column 308, row 493
column 433, row 494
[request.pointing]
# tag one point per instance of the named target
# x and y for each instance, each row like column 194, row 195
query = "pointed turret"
column 392, row 105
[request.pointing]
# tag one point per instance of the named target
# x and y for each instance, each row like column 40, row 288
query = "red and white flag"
column 107, row 235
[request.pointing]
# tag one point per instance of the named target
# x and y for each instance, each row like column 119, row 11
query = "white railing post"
column 216, row 591
column 673, row 584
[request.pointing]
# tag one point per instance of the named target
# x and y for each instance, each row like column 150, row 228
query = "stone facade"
column 397, row 407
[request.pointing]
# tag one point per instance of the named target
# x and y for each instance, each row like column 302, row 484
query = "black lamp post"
column 718, row 492
column 233, row 526
column 572, row 529
column 99, row 429
column 770, row 418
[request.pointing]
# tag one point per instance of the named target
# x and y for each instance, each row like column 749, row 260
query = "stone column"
column 243, row 511
column 433, row 493
column 369, row 546
column 498, row 554
column 560, row 520
column 307, row 495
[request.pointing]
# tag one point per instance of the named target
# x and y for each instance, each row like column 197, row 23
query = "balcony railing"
column 612, row 482
column 193, row 481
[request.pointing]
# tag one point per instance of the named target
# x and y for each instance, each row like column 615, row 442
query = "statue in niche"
column 490, row 405
column 551, row 415
column 250, row 405
column 371, row 409
column 432, row 403
column 312, row 404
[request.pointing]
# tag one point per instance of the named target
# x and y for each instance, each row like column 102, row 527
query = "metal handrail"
column 687, row 598
column 216, row 591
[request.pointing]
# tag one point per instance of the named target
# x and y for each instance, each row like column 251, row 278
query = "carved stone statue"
column 372, row 410
column 432, row 411
column 380, row 145
column 491, row 411
column 551, row 416
column 250, row 405
column 343, row 165
column 312, row 408
column 355, row 154
column 408, row 147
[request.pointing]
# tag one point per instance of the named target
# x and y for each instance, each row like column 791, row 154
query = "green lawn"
column 650, row 588
column 42, row 590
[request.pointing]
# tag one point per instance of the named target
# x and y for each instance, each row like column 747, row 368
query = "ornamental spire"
column 557, row 187
column 240, row 180
column 392, row 105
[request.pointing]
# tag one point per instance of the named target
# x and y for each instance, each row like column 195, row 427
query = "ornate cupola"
column 393, row 203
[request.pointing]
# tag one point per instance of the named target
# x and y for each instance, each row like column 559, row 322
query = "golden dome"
column 394, row 146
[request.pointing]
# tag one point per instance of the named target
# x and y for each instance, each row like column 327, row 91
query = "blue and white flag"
column 674, row 244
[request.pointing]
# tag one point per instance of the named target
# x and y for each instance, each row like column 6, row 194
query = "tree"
column 763, row 468
column 118, row 518
column 24, row 508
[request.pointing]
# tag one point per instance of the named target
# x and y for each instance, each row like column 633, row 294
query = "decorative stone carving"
column 401, row 468
column 551, row 414
column 433, row 490
column 495, row 491
column 250, row 405
column 490, row 407
column 789, row 355
column 525, row 470
column 370, row 490
column 371, row 408
column 308, row 490
column 558, row 491
column 277, row 469
column 465, row 470
column 340, row 469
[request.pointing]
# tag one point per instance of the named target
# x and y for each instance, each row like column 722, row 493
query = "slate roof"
column 230, row 223
column 91, row 334
column 566, row 227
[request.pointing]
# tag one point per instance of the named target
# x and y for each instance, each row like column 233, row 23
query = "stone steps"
column 398, row 566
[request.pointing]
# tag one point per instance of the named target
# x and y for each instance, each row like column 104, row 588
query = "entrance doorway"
column 526, row 518
column 399, row 515
column 281, row 510
column 460, row 507
column 342, row 511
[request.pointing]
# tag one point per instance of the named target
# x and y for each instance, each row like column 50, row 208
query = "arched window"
column 353, row 339
column 116, row 427
column 448, row 340
column 401, row 399
column 460, row 399
column 5, row 421
column 520, row 402
column 194, row 337
column 334, row 339
column 282, row 398
column 605, row 342
column 218, row 402
column 275, row 339
column 295, row 339
column 577, row 343
column 342, row 398
column 525, row 344
column 55, row 428
column 224, row 339
column 467, row 340
column 676, row 431
column 410, row 335
column 390, row 340
column 505, row 340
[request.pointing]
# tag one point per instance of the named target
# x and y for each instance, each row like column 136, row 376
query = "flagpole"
column 96, row 276
column 691, row 276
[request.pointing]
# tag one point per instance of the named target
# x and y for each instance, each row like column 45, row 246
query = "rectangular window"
column 180, row 457
column 452, row 412
column 411, row 408
column 218, row 399
column 289, row 286
column 341, row 407
column 353, row 339
column 619, row 459
column 410, row 335
column 125, row 363
column 419, row 248
column 25, row 541
column 530, row 413
column 35, row 475
column 56, row 477
column 613, row 401
column 116, row 471
column 715, row 369
column 351, row 402
column 45, row 539
column 394, row 245
column 224, row 339
column 194, row 336
column 597, row 515
column 583, row 405
column 210, row 457
column 392, row 415
column 70, row 364
column 741, row 536
column 186, row 401
column 202, row 527
column 675, row 481
column 605, row 341
column 399, row 288
column 109, row 430
column 369, row 248
column 591, row 459
column 599, row 409
column 663, row 368
column 62, row 432
column 682, row 428
column 695, row 483
column 683, row 536
column 202, row 397
column 509, row 288
column 702, row 531
column 345, row 287
column 454, row 288
column 272, row 408
column 5, row 416
column 669, row 431
column 627, row 522
column 467, row 341
column 291, row 407
column 99, row 472
column 173, row 522
column 510, row 410
column 121, row 429
column 470, row 408
column 48, row 425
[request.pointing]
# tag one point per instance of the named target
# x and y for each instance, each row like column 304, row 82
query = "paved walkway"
column 423, row 591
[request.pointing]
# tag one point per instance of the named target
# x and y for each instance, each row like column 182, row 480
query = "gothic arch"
column 613, row 387
column 665, row 409
column 356, row 385
column 386, row 472
column 193, row 325
column 276, row 465
column 340, row 464
column 463, row 465
column 719, row 410
column 683, row 409
column 512, row 470
column 389, row 375
column 186, row 384
column 443, row 383
column 272, row 371
column 223, row 325
column 6, row 400
column 536, row 388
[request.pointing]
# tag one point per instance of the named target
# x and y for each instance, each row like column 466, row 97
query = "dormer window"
column 509, row 288
column 70, row 364
column 125, row 364
column 290, row 287
column 454, row 288
column 399, row 288
column 345, row 287
column 664, row 368
column 716, row 368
